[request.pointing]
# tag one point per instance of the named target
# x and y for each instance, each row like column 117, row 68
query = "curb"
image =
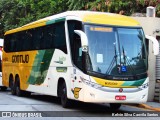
column 148, row 107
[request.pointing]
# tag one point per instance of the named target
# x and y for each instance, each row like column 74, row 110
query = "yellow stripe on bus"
column 28, row 26
column 111, row 83
column 110, row 19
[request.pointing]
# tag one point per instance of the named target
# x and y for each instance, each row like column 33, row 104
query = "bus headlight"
column 144, row 86
column 90, row 83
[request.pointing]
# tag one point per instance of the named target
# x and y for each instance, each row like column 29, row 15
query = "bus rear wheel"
column 63, row 96
column 12, row 86
column 19, row 92
column 115, row 106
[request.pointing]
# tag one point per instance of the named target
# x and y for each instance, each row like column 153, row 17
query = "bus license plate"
column 120, row 97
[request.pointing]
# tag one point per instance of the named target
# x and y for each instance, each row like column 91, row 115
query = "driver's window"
column 75, row 42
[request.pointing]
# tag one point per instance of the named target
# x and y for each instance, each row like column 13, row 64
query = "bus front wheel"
column 63, row 95
column 115, row 106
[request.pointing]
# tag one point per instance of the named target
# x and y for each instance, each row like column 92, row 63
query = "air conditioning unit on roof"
column 151, row 11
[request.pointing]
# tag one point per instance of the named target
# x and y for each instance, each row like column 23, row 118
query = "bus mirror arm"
column 155, row 44
column 84, row 40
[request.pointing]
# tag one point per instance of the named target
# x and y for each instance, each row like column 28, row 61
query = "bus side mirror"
column 155, row 44
column 84, row 40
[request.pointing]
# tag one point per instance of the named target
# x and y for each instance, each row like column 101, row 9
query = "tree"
column 77, row 4
column 7, row 14
column 15, row 13
column 126, row 7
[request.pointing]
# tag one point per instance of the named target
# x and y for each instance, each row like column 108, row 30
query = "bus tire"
column 12, row 85
column 63, row 96
column 115, row 106
column 19, row 92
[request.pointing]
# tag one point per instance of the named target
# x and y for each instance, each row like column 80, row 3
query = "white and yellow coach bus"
column 79, row 55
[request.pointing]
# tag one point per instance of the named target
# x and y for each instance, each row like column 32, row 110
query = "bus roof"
column 84, row 16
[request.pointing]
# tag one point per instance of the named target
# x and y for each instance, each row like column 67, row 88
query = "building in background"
column 1, row 46
column 151, row 26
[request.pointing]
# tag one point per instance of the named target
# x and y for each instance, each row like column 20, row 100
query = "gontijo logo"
column 20, row 58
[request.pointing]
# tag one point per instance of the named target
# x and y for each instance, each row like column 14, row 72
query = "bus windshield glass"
column 117, row 51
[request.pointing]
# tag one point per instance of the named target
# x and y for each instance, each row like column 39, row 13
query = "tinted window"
column 60, row 40
column 75, row 42
column 45, row 37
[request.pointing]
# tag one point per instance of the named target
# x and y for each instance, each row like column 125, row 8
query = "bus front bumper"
column 99, row 96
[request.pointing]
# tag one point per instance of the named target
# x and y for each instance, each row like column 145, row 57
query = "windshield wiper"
column 121, row 67
column 127, row 62
column 113, row 61
column 124, row 56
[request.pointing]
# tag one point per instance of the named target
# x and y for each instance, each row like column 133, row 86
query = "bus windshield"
column 117, row 51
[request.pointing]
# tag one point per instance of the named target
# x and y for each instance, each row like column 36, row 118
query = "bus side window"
column 43, row 39
column 59, row 37
column 51, row 36
column 27, row 40
column 13, row 43
column 19, row 43
column 47, row 40
column 75, row 43
column 36, row 38
column 7, row 43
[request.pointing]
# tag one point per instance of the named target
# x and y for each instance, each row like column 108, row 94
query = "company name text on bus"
column 20, row 58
